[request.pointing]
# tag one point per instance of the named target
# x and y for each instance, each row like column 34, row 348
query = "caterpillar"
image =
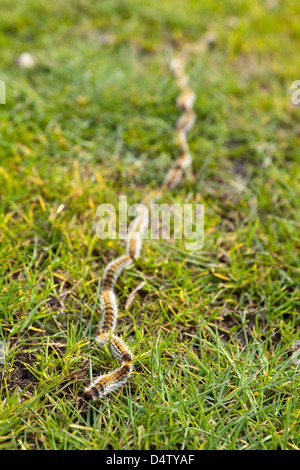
column 104, row 384
column 185, row 102
column 116, row 346
column 107, row 383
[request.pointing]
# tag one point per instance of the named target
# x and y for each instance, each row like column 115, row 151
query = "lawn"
column 212, row 330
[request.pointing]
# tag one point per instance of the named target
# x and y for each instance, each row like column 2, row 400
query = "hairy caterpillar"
column 185, row 123
column 107, row 383
column 113, row 270
column 134, row 245
column 109, row 310
column 116, row 346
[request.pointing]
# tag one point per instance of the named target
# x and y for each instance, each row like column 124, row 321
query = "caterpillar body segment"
column 182, row 140
column 186, row 121
column 144, row 219
column 185, row 160
column 134, row 245
column 173, row 178
column 104, row 384
column 112, row 271
column 182, row 81
column 186, row 99
column 138, row 227
column 109, row 308
column 116, row 346
column 107, row 383
column 140, row 223
column 176, row 66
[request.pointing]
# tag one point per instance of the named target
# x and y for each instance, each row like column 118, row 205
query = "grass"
column 212, row 331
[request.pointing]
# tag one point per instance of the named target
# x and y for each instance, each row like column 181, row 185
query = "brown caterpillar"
column 113, row 270
column 110, row 311
column 116, row 346
column 185, row 123
column 107, row 383
column 134, row 245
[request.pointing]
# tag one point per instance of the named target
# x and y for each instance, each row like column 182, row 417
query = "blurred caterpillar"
column 107, row 383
